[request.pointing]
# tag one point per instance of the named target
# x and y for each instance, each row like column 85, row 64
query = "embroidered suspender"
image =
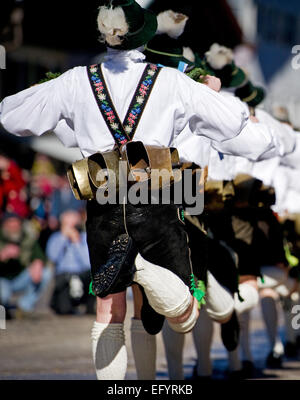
column 122, row 132
column 140, row 99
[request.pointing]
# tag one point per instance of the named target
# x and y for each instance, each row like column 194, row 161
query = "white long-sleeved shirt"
column 176, row 101
column 292, row 160
column 256, row 142
column 291, row 203
column 283, row 135
column 245, row 153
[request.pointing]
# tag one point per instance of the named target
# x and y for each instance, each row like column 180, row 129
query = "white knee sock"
column 219, row 300
column 166, row 292
column 250, row 296
column 144, row 351
column 290, row 333
column 109, row 351
column 202, row 333
column 234, row 356
column 234, row 360
column 244, row 320
column 270, row 315
column 173, row 343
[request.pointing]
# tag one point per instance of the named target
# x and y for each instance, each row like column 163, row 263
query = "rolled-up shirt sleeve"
column 209, row 113
column 65, row 133
column 39, row 109
column 255, row 142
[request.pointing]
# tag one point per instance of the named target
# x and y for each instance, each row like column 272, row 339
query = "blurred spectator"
column 21, row 265
column 43, row 182
column 11, row 37
column 62, row 200
column 68, row 250
column 11, row 29
column 13, row 197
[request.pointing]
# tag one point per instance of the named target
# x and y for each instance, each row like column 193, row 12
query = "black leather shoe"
column 235, row 375
column 230, row 333
column 152, row 321
column 196, row 377
column 248, row 369
column 274, row 361
column 291, row 350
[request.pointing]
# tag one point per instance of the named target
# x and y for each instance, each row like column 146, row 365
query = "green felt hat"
column 142, row 23
column 250, row 94
column 166, row 51
column 219, row 61
column 231, row 76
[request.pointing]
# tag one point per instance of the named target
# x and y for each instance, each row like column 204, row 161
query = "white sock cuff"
column 180, row 308
column 219, row 300
column 187, row 325
column 115, row 331
column 221, row 316
column 273, row 277
column 166, row 292
column 250, row 296
column 285, row 289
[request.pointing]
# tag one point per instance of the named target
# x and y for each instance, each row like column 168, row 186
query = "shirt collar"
column 124, row 56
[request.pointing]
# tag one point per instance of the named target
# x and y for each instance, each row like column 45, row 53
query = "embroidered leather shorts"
column 157, row 233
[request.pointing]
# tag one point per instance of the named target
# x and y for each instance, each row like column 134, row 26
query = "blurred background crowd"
column 42, row 225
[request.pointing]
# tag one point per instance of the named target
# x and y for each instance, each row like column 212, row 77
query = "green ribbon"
column 198, row 291
column 292, row 260
column 91, row 291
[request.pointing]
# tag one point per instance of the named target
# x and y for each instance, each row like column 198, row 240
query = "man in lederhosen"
column 116, row 232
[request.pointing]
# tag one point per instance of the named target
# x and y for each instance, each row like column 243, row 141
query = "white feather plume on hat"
column 171, row 23
column 189, row 54
column 219, row 56
column 112, row 24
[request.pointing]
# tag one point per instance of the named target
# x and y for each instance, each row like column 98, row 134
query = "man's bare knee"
column 250, row 280
column 268, row 292
column 137, row 301
column 112, row 309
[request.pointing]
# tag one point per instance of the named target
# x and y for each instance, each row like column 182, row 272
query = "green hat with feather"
column 219, row 62
column 165, row 48
column 125, row 25
column 250, row 94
